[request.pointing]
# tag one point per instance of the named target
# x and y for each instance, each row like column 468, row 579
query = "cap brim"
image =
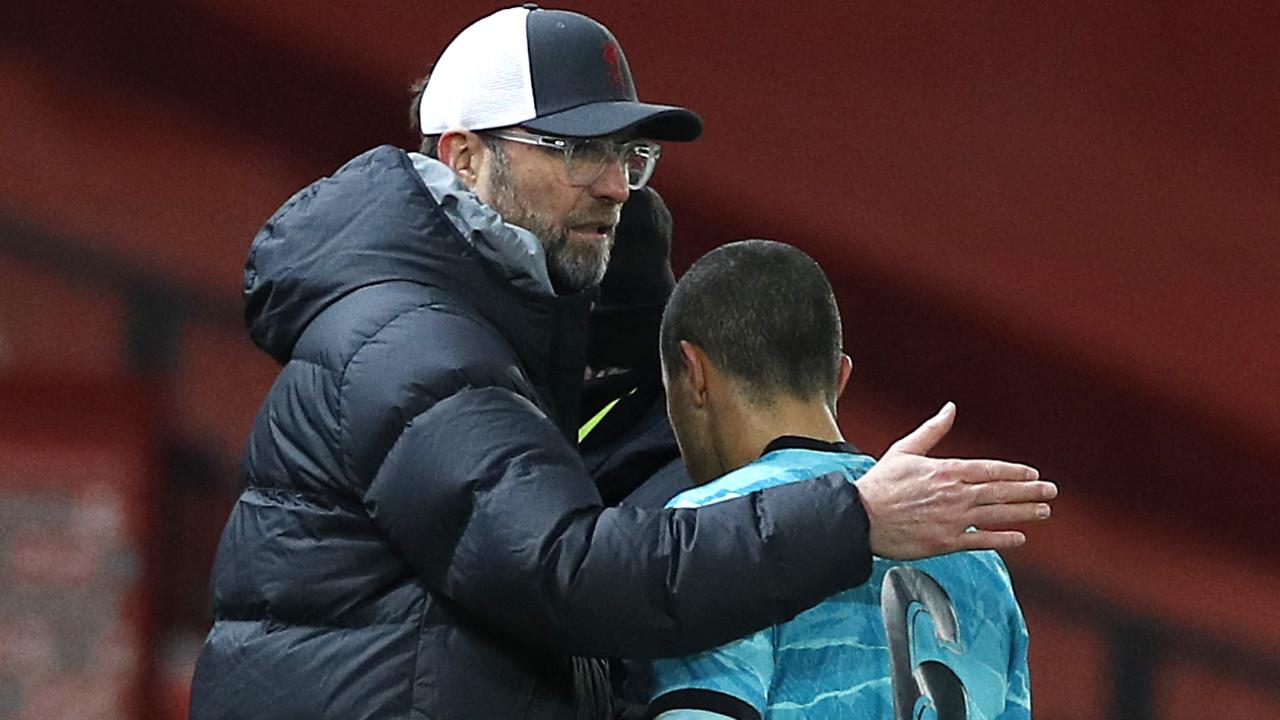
column 656, row 122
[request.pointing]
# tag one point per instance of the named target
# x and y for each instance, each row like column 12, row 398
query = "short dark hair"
column 429, row 144
column 765, row 313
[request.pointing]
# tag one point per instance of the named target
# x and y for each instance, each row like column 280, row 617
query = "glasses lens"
column 640, row 158
column 586, row 159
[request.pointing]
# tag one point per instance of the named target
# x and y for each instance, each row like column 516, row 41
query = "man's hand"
column 921, row 506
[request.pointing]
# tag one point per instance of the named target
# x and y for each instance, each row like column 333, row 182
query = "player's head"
column 764, row 313
column 537, row 112
column 762, row 316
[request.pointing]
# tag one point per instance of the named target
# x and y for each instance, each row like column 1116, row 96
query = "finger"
column 997, row 516
column 981, row 471
column 1009, row 491
column 990, row 540
column 921, row 440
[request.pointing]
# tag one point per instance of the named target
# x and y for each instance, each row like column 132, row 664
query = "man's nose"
column 612, row 183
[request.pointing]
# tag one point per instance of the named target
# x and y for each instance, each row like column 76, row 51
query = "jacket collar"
column 377, row 220
column 797, row 442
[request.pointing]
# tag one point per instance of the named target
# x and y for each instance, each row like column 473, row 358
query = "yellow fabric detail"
column 591, row 424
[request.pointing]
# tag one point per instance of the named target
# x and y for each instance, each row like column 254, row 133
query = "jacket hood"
column 384, row 216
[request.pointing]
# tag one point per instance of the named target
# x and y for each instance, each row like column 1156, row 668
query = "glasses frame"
column 647, row 149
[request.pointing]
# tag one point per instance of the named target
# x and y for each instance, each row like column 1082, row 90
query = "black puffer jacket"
column 416, row 537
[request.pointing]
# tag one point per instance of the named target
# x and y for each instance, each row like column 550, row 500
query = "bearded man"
column 417, row 536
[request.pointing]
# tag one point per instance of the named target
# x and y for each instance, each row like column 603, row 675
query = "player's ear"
column 460, row 150
column 846, row 370
column 696, row 365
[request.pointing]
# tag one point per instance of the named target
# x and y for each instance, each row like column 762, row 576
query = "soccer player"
column 753, row 364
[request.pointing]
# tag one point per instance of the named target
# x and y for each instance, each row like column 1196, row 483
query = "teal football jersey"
column 940, row 638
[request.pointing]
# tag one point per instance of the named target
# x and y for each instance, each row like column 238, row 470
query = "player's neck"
column 753, row 427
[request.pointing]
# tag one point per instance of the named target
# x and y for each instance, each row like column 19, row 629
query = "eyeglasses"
column 586, row 158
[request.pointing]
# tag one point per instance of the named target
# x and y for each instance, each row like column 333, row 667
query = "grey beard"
column 571, row 269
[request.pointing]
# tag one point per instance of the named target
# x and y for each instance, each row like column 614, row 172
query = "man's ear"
column 846, row 369
column 696, row 368
column 460, row 150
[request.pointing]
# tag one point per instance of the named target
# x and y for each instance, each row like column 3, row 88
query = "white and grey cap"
column 551, row 71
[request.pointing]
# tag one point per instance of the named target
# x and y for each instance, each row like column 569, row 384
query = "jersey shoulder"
column 774, row 468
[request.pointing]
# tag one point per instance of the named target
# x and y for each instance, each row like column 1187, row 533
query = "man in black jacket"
column 626, row 441
column 417, row 537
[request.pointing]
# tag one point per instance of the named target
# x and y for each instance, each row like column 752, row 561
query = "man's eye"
column 592, row 150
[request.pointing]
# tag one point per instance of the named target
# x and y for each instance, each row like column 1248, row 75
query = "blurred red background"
column 1063, row 216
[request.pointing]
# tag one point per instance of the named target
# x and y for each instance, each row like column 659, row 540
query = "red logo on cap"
column 613, row 58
